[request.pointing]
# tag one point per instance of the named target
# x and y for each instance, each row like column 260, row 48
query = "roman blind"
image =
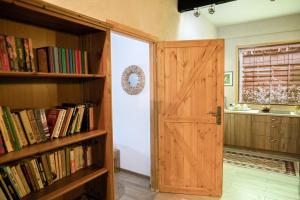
column 270, row 74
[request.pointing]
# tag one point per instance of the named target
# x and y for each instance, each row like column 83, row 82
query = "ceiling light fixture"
column 196, row 12
column 211, row 9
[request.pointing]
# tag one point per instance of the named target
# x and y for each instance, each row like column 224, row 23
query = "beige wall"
column 273, row 30
column 157, row 17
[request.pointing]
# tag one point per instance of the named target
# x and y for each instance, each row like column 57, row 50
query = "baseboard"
column 134, row 173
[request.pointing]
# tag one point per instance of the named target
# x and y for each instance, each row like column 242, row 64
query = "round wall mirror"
column 133, row 80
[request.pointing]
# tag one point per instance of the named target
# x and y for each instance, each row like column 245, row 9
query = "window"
column 270, row 74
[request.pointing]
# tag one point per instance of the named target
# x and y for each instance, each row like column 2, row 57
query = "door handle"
column 218, row 115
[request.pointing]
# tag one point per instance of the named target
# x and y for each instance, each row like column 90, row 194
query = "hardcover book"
column 20, row 54
column 4, row 61
column 12, row 52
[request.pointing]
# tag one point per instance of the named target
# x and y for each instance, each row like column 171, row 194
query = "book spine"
column 12, row 53
column 86, row 62
column 27, row 127
column 74, row 61
column 27, row 55
column 13, row 181
column 26, row 175
column 23, row 179
column 19, row 127
column 18, row 180
column 9, row 184
column 42, row 59
column 37, row 116
column 44, row 123
column 5, row 134
column 72, row 161
column 63, row 60
column 5, row 188
column 47, row 169
column 71, row 60
column 41, row 170
column 56, row 59
column 59, row 60
column 34, row 126
column 67, row 60
column 20, row 54
column 50, row 52
column 3, row 55
column 37, row 173
column 30, row 171
column 2, row 149
column 31, row 55
column 68, row 161
column 82, row 62
column 12, row 131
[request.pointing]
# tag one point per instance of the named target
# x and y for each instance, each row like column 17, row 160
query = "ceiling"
column 242, row 11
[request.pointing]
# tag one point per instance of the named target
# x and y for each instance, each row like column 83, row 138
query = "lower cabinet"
column 272, row 133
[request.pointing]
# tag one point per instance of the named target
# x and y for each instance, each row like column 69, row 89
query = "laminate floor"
column 238, row 184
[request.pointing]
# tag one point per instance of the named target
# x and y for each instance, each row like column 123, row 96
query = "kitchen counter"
column 271, row 113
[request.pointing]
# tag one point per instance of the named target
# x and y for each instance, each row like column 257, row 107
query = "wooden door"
column 190, row 88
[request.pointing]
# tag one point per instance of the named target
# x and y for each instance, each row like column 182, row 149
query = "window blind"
column 270, row 74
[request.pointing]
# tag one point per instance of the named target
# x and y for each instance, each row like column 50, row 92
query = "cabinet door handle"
column 273, row 126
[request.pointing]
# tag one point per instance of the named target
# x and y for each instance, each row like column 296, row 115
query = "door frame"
column 152, row 40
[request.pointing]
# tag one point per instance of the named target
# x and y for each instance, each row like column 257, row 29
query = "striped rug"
column 243, row 159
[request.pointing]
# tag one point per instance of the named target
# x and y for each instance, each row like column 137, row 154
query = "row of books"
column 16, row 54
column 30, row 175
column 26, row 127
column 62, row 60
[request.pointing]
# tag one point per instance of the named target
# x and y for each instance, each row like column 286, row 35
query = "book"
column 63, row 61
column 19, row 138
column 59, row 60
column 41, row 170
column 20, row 131
column 23, row 179
column 2, row 147
column 11, row 129
column 12, row 53
column 81, row 109
column 7, row 184
column 4, row 61
column 27, row 177
column 5, row 189
column 68, row 166
column 58, row 125
column 20, row 54
column 63, row 162
column 42, row 59
column 86, row 62
column 27, row 55
column 89, row 157
column 40, row 121
column 52, row 164
column 57, row 165
column 2, row 195
column 56, row 59
column 66, row 122
column 5, row 134
column 36, row 173
column 67, row 60
column 18, row 180
column 51, row 64
column 31, row 55
column 74, row 62
column 13, row 181
column 46, row 166
column 30, row 172
column 82, row 62
column 27, row 127
column 72, row 161
column 34, row 126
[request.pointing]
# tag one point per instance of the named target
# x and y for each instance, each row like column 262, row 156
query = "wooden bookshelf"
column 67, row 184
column 49, row 25
column 49, row 145
column 48, row 75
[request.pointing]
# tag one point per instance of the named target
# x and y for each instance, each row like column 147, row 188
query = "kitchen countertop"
column 271, row 113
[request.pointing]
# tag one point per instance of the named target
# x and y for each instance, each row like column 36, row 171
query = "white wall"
column 279, row 29
column 191, row 27
column 131, row 113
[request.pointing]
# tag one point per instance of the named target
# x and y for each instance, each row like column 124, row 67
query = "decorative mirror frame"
column 133, row 90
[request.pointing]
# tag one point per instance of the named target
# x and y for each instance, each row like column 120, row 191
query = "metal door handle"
column 218, row 115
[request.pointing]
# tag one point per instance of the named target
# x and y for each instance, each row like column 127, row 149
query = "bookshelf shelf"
column 48, row 75
column 49, row 145
column 67, row 184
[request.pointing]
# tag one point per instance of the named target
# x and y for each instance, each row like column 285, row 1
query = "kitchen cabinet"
column 266, row 132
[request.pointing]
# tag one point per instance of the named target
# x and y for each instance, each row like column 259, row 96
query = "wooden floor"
column 238, row 184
